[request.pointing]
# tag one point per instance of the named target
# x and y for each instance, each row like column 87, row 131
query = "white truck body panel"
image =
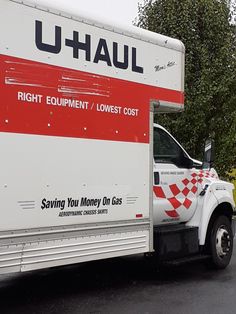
column 72, row 182
column 69, row 250
column 76, row 170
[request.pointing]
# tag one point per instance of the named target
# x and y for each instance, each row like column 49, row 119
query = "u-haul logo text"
column 78, row 44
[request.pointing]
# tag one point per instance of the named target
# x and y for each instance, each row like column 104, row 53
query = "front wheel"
column 221, row 242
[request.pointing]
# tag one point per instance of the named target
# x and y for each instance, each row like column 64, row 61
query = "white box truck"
column 84, row 173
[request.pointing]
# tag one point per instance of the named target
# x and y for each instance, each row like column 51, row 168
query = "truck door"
column 175, row 180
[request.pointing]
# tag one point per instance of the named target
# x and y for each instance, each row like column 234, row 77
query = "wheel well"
column 223, row 209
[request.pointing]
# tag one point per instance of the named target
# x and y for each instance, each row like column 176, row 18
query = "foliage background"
column 207, row 29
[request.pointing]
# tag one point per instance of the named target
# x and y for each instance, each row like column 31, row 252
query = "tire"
column 220, row 243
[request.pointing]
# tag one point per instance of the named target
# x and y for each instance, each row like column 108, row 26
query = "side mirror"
column 209, row 154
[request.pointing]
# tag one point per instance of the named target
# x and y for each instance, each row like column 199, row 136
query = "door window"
column 165, row 149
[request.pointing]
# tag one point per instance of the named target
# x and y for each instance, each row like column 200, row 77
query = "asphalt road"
column 122, row 285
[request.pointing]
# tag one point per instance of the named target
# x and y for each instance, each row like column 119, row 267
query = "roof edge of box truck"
column 107, row 24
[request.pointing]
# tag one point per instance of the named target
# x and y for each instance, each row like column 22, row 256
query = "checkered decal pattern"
column 185, row 190
column 207, row 174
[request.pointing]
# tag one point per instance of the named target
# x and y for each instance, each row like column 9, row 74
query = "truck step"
column 187, row 259
column 175, row 242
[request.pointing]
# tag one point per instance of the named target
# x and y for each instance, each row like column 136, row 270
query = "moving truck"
column 84, row 172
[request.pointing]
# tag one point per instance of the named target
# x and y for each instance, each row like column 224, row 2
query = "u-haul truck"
column 84, row 173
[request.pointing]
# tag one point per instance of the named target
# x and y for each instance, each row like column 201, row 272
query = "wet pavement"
column 121, row 285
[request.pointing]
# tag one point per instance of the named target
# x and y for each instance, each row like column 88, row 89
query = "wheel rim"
column 223, row 243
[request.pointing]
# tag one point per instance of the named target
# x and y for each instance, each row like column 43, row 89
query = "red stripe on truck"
column 42, row 99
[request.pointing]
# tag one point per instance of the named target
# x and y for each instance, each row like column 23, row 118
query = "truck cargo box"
column 76, row 134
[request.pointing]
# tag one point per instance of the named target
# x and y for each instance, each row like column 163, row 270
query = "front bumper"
column 234, row 224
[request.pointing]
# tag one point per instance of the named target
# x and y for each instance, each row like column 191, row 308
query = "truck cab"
column 188, row 196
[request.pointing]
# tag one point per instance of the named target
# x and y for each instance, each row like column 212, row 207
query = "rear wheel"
column 220, row 242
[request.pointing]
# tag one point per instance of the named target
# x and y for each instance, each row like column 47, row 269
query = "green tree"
column 205, row 27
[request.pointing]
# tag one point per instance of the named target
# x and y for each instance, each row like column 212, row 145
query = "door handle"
column 156, row 178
